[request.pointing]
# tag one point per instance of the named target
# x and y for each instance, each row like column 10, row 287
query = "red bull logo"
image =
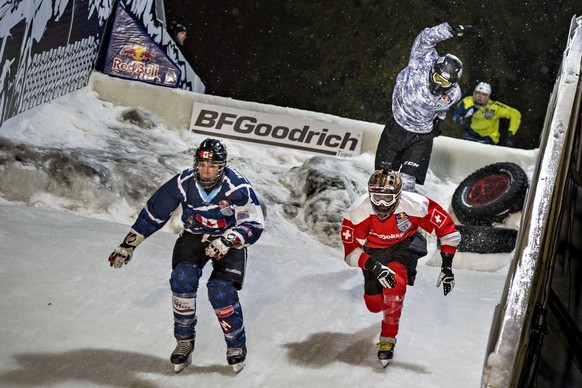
column 138, row 53
column 137, row 68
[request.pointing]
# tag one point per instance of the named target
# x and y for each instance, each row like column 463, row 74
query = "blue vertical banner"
column 133, row 54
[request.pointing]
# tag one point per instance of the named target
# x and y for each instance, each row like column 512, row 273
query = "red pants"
column 390, row 301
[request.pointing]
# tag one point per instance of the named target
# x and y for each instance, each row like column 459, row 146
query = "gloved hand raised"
column 446, row 276
column 124, row 252
column 384, row 274
column 466, row 29
column 219, row 247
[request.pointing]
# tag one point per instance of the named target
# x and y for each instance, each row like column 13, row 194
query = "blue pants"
column 223, row 285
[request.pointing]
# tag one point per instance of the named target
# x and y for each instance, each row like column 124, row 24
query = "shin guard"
column 394, row 301
column 223, row 297
column 184, row 284
column 374, row 303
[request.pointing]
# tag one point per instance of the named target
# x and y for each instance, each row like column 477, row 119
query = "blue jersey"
column 231, row 206
column 413, row 105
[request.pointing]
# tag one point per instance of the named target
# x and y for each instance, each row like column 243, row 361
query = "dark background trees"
column 342, row 56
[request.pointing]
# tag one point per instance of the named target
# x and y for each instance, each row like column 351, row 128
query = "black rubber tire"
column 490, row 194
column 486, row 239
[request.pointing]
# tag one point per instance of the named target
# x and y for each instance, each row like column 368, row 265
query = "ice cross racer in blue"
column 424, row 91
column 221, row 216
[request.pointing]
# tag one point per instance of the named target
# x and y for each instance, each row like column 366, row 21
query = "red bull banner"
column 132, row 54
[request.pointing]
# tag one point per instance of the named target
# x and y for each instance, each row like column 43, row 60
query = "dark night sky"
column 237, row 47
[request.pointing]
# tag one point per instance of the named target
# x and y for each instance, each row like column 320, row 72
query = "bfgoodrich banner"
column 276, row 130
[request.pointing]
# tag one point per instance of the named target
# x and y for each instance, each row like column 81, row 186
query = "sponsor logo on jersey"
column 242, row 216
column 489, row 113
column 445, row 98
column 444, row 101
column 402, row 222
column 246, row 229
column 392, row 236
column 225, row 209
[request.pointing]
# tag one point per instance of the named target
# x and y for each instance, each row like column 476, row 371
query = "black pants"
column 407, row 253
column 409, row 152
column 189, row 247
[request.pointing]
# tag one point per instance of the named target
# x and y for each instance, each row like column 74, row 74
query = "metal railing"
column 518, row 325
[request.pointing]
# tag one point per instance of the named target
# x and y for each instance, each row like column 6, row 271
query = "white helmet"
column 483, row 87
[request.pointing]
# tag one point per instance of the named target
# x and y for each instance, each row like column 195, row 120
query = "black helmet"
column 213, row 151
column 445, row 72
column 384, row 189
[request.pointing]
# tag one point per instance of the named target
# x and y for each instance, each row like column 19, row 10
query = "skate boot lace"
column 236, row 355
column 234, row 352
column 385, row 346
column 184, row 347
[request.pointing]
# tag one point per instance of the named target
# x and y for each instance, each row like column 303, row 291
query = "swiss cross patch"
column 347, row 234
column 438, row 218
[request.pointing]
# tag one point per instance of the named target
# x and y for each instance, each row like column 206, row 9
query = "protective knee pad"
column 374, row 303
column 184, row 284
column 223, row 297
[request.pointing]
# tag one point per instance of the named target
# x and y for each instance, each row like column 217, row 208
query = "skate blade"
column 238, row 367
column 180, row 367
column 385, row 363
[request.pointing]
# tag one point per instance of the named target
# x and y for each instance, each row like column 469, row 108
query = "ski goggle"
column 441, row 81
column 383, row 199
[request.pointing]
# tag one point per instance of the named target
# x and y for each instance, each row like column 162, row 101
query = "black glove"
column 510, row 140
column 384, row 274
column 436, row 127
column 446, row 276
column 466, row 29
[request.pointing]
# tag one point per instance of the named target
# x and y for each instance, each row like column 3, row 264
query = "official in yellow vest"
column 481, row 115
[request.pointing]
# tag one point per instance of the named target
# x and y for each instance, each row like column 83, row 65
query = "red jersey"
column 362, row 227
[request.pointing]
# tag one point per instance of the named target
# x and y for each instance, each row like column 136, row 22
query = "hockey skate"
column 182, row 354
column 236, row 357
column 386, row 350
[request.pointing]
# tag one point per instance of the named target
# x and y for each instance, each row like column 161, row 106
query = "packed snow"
column 74, row 174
